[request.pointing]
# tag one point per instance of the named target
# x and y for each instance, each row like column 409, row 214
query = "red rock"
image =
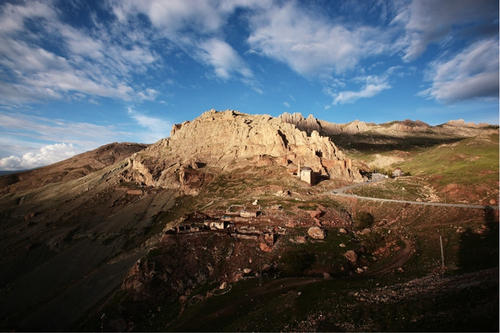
column 265, row 248
column 351, row 256
column 315, row 213
column 269, row 239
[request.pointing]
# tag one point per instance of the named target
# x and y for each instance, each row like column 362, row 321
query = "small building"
column 217, row 225
column 248, row 214
column 306, row 175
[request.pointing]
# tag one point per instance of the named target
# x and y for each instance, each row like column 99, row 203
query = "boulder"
column 351, row 256
column 316, row 233
column 365, row 231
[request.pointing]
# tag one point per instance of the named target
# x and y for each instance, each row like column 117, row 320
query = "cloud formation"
column 83, row 135
column 309, row 43
column 471, row 74
column 372, row 86
column 195, row 27
column 224, row 59
column 93, row 62
column 431, row 21
column 156, row 128
column 45, row 155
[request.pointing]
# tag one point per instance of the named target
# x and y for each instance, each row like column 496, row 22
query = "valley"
column 211, row 229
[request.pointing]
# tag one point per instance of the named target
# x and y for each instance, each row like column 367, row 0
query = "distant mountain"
column 8, row 172
column 453, row 128
column 72, row 168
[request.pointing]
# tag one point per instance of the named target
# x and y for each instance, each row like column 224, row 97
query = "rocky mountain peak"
column 227, row 138
column 308, row 124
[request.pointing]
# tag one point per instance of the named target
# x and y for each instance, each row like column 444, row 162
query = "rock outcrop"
column 308, row 124
column 457, row 128
column 229, row 138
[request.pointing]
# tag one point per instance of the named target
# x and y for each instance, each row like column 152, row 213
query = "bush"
column 363, row 220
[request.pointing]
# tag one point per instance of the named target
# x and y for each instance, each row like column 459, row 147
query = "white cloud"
column 195, row 27
column 18, row 129
column 372, row 86
column 430, row 21
column 148, row 95
column 28, row 141
column 94, row 62
column 45, row 155
column 12, row 16
column 473, row 73
column 223, row 58
column 156, row 128
column 173, row 16
column 286, row 104
column 309, row 43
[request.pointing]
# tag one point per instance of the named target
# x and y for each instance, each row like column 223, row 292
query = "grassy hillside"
column 470, row 161
column 462, row 171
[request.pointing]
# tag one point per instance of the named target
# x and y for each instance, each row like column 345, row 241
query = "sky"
column 75, row 75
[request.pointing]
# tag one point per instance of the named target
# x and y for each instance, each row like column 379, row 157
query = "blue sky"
column 78, row 74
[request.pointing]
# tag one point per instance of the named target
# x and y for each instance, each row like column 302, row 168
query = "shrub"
column 363, row 220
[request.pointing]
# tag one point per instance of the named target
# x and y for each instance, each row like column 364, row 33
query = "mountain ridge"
column 394, row 128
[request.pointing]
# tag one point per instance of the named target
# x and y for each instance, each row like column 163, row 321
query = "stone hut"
column 306, row 175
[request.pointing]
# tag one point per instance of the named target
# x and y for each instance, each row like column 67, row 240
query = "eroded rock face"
column 221, row 139
column 453, row 128
column 308, row 124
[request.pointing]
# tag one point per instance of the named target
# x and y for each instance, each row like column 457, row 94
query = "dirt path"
column 436, row 204
column 399, row 260
column 350, row 187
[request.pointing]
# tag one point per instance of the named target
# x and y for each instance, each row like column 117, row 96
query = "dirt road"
column 340, row 193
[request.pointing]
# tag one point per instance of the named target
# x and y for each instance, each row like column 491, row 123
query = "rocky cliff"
column 224, row 139
column 455, row 128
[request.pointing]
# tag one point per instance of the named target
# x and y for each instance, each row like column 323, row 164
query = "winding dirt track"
column 340, row 193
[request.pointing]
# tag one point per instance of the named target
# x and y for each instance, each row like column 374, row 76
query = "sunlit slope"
column 470, row 161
